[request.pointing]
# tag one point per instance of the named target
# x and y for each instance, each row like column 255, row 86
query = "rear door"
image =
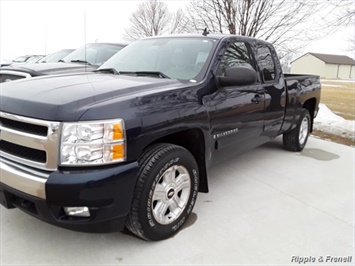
column 236, row 112
column 274, row 88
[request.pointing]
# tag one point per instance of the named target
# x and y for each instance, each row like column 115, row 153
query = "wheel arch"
column 192, row 140
column 310, row 105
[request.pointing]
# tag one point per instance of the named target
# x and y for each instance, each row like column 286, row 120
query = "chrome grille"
column 23, row 152
column 24, row 127
column 29, row 141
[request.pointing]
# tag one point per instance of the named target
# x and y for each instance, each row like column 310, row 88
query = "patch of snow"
column 329, row 122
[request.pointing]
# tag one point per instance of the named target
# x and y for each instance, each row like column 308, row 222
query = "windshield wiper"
column 61, row 60
column 145, row 73
column 108, row 70
column 136, row 73
column 80, row 61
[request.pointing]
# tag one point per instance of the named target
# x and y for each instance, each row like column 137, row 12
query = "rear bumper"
column 107, row 192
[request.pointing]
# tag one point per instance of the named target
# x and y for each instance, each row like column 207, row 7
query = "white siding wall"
column 344, row 72
column 308, row 64
column 331, row 71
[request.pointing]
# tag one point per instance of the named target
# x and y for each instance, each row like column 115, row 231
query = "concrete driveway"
column 267, row 206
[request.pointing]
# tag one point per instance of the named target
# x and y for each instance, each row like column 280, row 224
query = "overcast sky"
column 42, row 27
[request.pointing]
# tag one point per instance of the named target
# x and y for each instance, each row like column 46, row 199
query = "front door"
column 236, row 112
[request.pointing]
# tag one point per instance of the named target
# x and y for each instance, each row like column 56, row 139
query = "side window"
column 266, row 62
column 237, row 54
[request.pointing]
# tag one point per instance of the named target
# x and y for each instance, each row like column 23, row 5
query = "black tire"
column 296, row 139
column 156, row 163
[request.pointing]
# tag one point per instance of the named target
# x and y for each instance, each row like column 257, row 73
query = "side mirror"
column 238, row 76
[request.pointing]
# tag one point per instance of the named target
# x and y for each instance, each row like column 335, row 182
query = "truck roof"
column 217, row 36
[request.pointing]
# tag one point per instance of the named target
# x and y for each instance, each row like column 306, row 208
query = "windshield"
column 177, row 58
column 21, row 59
column 93, row 53
column 34, row 59
column 55, row 57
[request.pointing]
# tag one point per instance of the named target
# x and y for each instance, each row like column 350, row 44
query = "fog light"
column 77, row 211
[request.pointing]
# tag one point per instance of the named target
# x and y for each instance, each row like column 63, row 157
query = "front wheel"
column 296, row 139
column 165, row 192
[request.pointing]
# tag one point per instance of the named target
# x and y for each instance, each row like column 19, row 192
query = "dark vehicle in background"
column 94, row 54
column 85, row 59
column 50, row 58
column 131, row 144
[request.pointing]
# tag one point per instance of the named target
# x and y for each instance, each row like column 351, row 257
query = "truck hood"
column 50, row 68
column 67, row 98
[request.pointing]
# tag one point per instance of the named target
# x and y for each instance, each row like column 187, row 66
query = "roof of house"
column 332, row 59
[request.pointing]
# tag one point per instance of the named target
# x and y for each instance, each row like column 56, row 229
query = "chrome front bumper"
column 22, row 178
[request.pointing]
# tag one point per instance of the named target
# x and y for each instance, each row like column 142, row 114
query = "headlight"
column 97, row 142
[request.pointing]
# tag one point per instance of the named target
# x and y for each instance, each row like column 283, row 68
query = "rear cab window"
column 266, row 63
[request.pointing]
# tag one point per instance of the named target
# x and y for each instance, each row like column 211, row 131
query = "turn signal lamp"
column 94, row 142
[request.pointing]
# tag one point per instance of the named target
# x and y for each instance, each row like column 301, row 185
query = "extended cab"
column 131, row 144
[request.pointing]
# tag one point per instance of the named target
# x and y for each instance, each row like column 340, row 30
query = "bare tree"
column 202, row 14
column 153, row 18
column 281, row 22
column 344, row 13
column 344, row 18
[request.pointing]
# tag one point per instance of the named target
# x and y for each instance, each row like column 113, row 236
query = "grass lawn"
column 338, row 96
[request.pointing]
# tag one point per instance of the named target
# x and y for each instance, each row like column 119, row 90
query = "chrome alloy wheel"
column 171, row 194
column 304, row 128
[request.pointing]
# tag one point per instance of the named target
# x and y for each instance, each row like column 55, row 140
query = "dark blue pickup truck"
column 131, row 144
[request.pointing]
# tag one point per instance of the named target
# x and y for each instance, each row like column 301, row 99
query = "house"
column 327, row 66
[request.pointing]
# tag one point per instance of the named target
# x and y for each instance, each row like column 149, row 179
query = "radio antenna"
column 85, row 38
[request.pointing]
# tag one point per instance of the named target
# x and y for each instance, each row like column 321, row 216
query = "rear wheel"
column 165, row 192
column 296, row 139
